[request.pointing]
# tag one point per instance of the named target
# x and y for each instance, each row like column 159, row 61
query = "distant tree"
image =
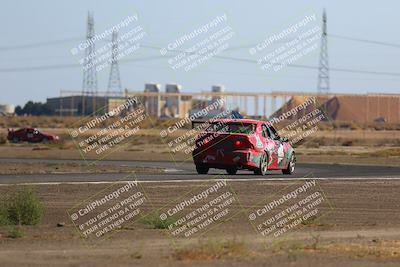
column 30, row 108
column 34, row 108
column 47, row 110
column 18, row 110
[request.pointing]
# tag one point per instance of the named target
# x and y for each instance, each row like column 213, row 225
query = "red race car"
column 30, row 135
column 234, row 144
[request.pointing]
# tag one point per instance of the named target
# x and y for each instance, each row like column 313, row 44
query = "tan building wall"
column 362, row 109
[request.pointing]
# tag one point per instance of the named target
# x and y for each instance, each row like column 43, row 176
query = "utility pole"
column 89, row 83
column 323, row 70
column 114, row 82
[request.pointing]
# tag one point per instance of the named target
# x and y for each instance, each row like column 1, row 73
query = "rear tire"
column 15, row 140
column 291, row 166
column 202, row 169
column 263, row 168
column 232, row 171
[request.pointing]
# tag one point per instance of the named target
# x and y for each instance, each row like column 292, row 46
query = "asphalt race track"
column 185, row 171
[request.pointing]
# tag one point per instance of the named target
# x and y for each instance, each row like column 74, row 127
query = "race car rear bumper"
column 241, row 159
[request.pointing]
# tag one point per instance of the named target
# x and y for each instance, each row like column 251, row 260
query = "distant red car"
column 30, row 135
column 234, row 144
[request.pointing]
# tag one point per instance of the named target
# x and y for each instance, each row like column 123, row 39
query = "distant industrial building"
column 152, row 103
column 372, row 108
column 217, row 103
column 214, row 99
column 83, row 105
column 174, row 106
column 75, row 104
column 6, row 109
column 175, row 103
column 351, row 108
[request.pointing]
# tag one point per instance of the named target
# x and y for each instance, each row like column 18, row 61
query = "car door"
column 281, row 147
column 28, row 135
column 271, row 147
column 37, row 136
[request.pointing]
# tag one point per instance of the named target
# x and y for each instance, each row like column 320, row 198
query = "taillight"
column 242, row 144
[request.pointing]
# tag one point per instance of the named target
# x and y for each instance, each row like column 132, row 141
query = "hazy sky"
column 24, row 23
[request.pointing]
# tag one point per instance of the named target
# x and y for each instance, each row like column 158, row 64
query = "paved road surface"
column 186, row 171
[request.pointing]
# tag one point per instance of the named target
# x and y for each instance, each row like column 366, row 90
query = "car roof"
column 240, row 121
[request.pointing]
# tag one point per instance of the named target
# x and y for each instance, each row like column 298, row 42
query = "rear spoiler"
column 205, row 123
column 198, row 123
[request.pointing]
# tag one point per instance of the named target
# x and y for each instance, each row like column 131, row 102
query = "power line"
column 61, row 66
column 64, row 66
column 363, row 40
column 40, row 44
column 246, row 60
column 82, row 38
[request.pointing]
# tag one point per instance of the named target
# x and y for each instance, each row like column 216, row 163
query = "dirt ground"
column 357, row 225
column 46, row 168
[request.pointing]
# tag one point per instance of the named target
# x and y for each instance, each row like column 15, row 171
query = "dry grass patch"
column 392, row 152
column 376, row 248
column 212, row 250
column 46, row 168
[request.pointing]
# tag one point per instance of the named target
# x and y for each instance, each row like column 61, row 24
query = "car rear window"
column 243, row 128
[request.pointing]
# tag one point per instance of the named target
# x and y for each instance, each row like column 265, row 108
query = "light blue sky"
column 27, row 22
